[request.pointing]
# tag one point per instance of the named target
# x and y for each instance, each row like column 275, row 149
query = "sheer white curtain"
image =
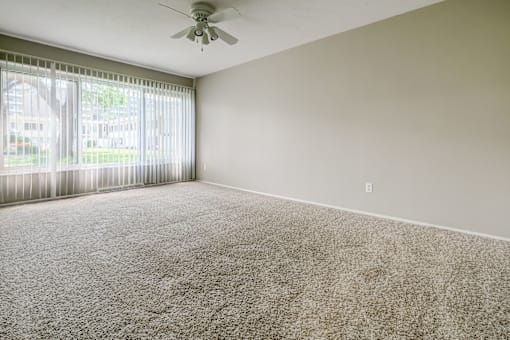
column 67, row 130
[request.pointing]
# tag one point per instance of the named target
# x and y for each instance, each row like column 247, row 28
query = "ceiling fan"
column 204, row 14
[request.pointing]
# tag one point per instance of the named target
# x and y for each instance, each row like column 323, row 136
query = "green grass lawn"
column 104, row 156
column 89, row 156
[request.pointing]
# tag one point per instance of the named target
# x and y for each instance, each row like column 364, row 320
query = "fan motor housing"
column 201, row 10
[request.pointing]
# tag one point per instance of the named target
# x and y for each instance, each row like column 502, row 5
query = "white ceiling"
column 137, row 31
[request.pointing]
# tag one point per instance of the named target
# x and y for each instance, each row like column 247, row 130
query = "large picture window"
column 68, row 130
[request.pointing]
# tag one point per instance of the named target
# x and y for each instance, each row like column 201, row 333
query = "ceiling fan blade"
column 229, row 39
column 175, row 10
column 223, row 15
column 182, row 33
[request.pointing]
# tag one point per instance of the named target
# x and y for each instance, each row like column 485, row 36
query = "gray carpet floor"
column 197, row 261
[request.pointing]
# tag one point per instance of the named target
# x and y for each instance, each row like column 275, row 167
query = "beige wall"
column 418, row 104
column 59, row 54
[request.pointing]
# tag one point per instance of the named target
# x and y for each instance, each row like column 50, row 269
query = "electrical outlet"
column 369, row 187
column 205, row 166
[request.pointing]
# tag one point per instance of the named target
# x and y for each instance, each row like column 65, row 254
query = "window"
column 80, row 130
column 28, row 140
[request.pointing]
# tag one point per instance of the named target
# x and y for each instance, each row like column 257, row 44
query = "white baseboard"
column 398, row 219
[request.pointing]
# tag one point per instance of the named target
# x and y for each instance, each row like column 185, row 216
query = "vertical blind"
column 67, row 130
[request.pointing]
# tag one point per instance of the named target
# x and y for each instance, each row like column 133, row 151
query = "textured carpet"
column 196, row 261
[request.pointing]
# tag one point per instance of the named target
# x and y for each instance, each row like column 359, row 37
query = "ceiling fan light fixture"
column 191, row 34
column 203, row 14
column 199, row 30
column 205, row 39
column 212, row 33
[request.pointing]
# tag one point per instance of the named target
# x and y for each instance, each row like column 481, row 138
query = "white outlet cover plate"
column 369, row 187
